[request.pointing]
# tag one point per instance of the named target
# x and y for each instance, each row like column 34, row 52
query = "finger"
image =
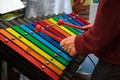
column 66, row 46
column 62, row 43
column 72, row 53
column 69, row 50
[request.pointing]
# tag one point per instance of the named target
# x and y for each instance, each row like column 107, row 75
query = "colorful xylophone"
column 38, row 55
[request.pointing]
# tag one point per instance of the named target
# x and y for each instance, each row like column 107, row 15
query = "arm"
column 104, row 30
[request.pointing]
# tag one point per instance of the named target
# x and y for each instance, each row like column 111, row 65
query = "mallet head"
column 38, row 28
column 60, row 22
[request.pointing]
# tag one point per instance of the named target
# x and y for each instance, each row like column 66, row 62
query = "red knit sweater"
column 103, row 39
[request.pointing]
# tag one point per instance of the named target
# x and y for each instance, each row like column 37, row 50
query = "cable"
column 91, row 60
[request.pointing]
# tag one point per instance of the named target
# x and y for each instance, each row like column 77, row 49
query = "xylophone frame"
column 17, row 61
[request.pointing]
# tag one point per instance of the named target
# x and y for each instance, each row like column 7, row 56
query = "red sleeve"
column 104, row 30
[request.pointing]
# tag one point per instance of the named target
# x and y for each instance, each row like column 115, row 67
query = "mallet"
column 39, row 28
column 61, row 22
